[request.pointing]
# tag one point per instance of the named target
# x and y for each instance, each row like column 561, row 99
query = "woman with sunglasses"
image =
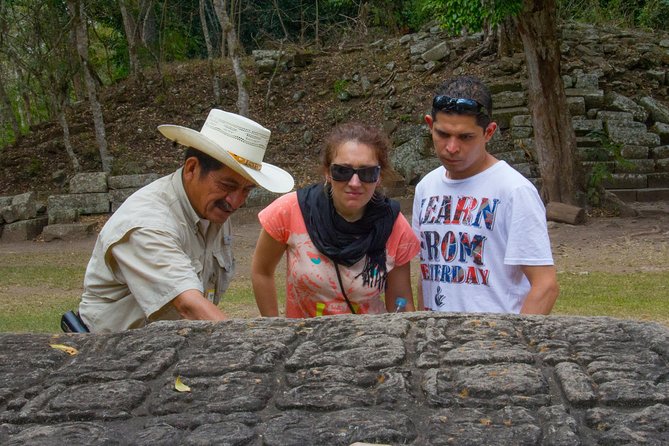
column 347, row 246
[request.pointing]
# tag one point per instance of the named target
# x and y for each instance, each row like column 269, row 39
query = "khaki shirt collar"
column 184, row 202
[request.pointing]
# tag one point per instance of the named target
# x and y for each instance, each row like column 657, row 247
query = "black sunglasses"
column 345, row 173
column 459, row 105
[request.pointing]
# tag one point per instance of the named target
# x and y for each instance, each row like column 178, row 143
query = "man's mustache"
column 225, row 206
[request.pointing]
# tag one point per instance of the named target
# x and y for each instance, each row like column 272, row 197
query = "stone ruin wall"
column 410, row 379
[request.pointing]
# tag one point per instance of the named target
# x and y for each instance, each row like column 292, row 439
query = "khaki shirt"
column 153, row 248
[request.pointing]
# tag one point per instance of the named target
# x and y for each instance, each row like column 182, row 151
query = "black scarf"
column 346, row 243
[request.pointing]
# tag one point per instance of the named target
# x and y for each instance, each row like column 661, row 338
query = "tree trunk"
column 554, row 135
column 76, row 11
column 215, row 78
column 131, row 35
column 228, row 29
column 60, row 105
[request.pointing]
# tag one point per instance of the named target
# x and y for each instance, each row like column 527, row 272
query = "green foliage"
column 602, row 170
column 34, row 168
column 629, row 13
column 340, row 86
column 470, row 15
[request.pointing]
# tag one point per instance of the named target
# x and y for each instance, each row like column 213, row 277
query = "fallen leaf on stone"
column 65, row 348
column 179, row 386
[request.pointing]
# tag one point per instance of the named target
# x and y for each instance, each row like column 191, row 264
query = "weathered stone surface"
column 593, row 98
column 89, row 182
column 23, row 230
column 657, row 111
column 662, row 130
column 503, row 116
column 414, row 379
column 118, row 196
column 633, row 133
column 67, row 231
column 59, row 216
column 439, row 52
column 84, row 203
column 131, row 181
column 616, row 101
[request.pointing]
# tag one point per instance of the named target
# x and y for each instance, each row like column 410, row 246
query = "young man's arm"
column 544, row 289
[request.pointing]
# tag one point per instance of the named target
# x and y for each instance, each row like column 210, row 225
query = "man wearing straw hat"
column 166, row 252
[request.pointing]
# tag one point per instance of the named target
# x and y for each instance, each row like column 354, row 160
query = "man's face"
column 460, row 144
column 217, row 194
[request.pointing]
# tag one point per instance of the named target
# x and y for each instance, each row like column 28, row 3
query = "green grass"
column 630, row 296
column 34, row 294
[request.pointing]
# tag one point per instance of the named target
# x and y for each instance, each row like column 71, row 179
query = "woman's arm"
column 266, row 257
column 399, row 285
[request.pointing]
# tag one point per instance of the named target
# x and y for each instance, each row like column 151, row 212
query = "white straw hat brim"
column 269, row 177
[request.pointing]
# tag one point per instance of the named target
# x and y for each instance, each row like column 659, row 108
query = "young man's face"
column 460, row 144
column 217, row 194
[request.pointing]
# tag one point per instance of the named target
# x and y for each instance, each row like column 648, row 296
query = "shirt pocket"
column 225, row 268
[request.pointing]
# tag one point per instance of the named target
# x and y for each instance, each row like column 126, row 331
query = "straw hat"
column 237, row 142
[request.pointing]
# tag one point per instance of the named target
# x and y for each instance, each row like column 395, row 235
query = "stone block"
column 659, row 152
column 8, row 214
column 521, row 121
column 513, row 157
column 583, row 127
column 503, row 116
column 525, row 145
column 658, row 179
column 528, row 170
column 67, row 231
column 635, row 166
column 25, row 206
column 132, row 181
column 594, row 154
column 657, row 111
column 588, row 81
column 521, row 132
column 588, row 141
column 576, row 106
column 608, row 115
column 627, row 195
column 616, row 101
column 84, row 203
column 628, row 134
column 409, row 160
column 260, row 197
column 60, row 216
column 662, row 165
column 88, row 182
column 507, row 85
column 118, row 196
column 509, row 99
column 662, row 130
column 654, row 194
column 634, row 152
column 592, row 98
column 626, row 181
column 659, row 75
column 437, row 53
column 23, row 230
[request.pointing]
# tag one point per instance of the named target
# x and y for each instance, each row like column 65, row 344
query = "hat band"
column 244, row 161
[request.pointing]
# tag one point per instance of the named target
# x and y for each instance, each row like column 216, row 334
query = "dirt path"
column 609, row 244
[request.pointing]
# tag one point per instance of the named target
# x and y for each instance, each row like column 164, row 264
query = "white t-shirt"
column 475, row 235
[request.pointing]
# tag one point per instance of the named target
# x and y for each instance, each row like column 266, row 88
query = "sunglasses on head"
column 345, row 173
column 459, row 105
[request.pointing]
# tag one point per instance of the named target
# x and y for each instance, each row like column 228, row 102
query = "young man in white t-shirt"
column 481, row 224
